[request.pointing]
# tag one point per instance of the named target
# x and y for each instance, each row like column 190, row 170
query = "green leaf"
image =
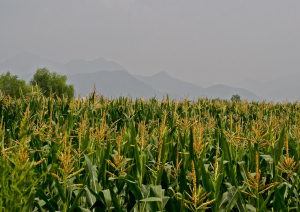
column 205, row 178
column 40, row 194
column 74, row 205
column 218, row 182
column 170, row 206
column 230, row 199
column 241, row 170
column 279, row 200
column 82, row 209
column 152, row 199
column 263, row 206
column 230, row 172
column 101, row 172
column 280, row 143
column 136, row 152
column 97, row 196
column 91, row 199
column 107, row 197
column 250, row 208
column 115, row 201
column 134, row 188
column 30, row 203
column 60, row 190
column 92, row 173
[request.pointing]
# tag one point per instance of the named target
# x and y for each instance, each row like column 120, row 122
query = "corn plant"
column 120, row 154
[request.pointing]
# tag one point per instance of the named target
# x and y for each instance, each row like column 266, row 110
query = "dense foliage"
column 11, row 85
column 51, row 82
column 236, row 97
column 148, row 155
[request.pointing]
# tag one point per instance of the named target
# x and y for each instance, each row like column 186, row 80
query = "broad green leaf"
column 74, row 205
column 92, row 173
column 134, row 188
column 60, row 190
column 115, row 200
column 40, row 194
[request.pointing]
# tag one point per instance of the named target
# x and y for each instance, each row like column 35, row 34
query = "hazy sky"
column 210, row 40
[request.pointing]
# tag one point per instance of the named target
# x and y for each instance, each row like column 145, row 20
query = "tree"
column 12, row 86
column 236, row 97
column 51, row 82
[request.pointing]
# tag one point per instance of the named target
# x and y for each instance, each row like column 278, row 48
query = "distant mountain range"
column 25, row 63
column 164, row 83
column 112, row 79
column 112, row 84
column 280, row 89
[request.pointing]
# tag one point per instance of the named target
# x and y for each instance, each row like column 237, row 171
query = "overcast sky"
column 211, row 40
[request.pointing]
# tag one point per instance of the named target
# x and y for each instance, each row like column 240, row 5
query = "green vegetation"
column 62, row 154
column 236, row 97
column 11, row 85
column 52, row 82
column 47, row 82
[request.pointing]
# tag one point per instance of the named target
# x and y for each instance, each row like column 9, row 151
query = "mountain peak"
column 100, row 59
column 161, row 74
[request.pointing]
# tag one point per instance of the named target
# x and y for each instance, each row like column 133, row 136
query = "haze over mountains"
column 164, row 83
column 282, row 88
column 112, row 79
column 25, row 63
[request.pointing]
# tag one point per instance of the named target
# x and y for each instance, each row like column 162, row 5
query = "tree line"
column 44, row 80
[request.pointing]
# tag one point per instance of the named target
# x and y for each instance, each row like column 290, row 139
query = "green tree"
column 52, row 82
column 11, row 85
column 236, row 97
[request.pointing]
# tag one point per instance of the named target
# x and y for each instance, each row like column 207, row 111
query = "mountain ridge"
column 25, row 63
column 163, row 82
column 113, row 79
column 280, row 89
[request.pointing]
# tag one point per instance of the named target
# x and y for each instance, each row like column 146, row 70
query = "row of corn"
column 102, row 154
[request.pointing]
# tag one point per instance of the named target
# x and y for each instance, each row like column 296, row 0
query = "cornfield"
column 120, row 154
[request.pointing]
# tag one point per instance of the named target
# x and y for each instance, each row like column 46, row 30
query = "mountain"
column 100, row 64
column 284, row 94
column 26, row 63
column 115, row 83
column 167, row 84
column 113, row 80
column 109, row 83
column 250, row 84
column 203, row 84
column 226, row 92
column 286, row 87
column 112, row 84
